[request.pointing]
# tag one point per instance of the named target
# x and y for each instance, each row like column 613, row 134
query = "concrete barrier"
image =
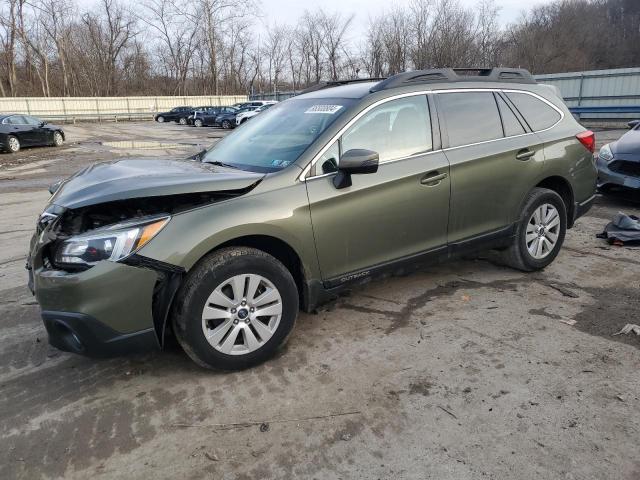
column 106, row 108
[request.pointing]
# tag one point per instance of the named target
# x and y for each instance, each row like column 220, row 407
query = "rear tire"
column 540, row 231
column 182, row 121
column 13, row 144
column 198, row 123
column 212, row 324
column 226, row 124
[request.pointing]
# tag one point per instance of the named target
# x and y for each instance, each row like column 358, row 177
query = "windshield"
column 276, row 138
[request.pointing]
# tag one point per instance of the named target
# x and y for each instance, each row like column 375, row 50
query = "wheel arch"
column 562, row 187
column 279, row 249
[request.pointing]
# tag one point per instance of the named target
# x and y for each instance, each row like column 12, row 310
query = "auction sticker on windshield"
column 330, row 109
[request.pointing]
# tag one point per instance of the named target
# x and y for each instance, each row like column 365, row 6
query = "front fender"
column 281, row 213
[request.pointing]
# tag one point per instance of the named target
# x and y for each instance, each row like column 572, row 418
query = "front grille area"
column 625, row 167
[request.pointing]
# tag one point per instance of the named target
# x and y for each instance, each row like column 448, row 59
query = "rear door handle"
column 525, row 154
column 432, row 179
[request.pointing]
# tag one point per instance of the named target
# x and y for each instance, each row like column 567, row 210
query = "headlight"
column 605, row 153
column 114, row 242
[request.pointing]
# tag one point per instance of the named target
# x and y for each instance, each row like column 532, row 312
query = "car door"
column 393, row 214
column 21, row 130
column 493, row 158
column 40, row 135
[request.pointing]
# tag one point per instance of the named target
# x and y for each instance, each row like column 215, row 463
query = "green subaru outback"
column 334, row 187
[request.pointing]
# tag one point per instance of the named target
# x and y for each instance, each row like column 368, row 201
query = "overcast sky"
column 287, row 11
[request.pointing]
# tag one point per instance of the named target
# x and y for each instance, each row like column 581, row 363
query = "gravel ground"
column 460, row 371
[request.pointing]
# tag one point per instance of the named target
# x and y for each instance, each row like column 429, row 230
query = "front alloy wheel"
column 236, row 307
column 226, row 124
column 57, row 139
column 241, row 314
column 182, row 121
column 198, row 123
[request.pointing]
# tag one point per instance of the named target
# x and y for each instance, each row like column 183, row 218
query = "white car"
column 244, row 116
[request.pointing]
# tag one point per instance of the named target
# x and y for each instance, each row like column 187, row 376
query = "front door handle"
column 432, row 179
column 525, row 154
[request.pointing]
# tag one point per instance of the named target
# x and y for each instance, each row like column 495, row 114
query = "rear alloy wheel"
column 160, row 119
column 182, row 121
column 198, row 122
column 540, row 231
column 234, row 310
column 226, row 124
column 58, row 140
column 13, row 144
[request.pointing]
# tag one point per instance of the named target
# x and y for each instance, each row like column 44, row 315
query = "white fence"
column 106, row 108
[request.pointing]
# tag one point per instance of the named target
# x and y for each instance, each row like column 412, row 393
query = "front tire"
column 198, row 123
column 540, row 231
column 226, row 124
column 13, row 144
column 58, row 140
column 235, row 309
column 160, row 119
column 182, row 121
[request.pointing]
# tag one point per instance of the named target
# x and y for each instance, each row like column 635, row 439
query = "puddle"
column 142, row 145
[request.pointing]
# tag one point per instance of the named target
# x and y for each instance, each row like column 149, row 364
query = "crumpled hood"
column 628, row 143
column 137, row 178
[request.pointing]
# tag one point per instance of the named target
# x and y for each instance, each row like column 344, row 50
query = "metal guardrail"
column 606, row 109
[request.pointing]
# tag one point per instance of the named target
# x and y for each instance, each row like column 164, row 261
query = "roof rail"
column 337, row 83
column 437, row 75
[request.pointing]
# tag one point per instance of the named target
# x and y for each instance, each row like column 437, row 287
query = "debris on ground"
column 622, row 230
column 564, row 291
column 629, row 328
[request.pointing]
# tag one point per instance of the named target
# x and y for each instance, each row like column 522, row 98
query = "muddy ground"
column 460, row 371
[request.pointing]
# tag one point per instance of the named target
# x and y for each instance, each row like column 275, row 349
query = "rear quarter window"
column 536, row 113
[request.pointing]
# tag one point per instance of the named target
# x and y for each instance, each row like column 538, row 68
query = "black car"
column 209, row 118
column 204, row 116
column 619, row 162
column 17, row 131
column 174, row 114
column 228, row 120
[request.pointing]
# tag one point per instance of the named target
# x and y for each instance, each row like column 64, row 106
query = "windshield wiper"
column 222, row 164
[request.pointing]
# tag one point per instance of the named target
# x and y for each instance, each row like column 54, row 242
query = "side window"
column 470, row 117
column 510, row 122
column 32, row 121
column 16, row 120
column 328, row 161
column 537, row 114
column 395, row 129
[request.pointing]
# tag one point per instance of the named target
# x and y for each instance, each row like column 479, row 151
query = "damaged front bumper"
column 610, row 178
column 112, row 308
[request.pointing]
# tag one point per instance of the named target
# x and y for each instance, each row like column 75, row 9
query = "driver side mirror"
column 355, row 161
column 633, row 123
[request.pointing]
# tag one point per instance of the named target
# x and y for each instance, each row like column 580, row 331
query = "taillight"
column 588, row 139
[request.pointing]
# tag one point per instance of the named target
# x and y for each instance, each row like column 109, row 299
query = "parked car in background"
column 175, row 114
column 17, row 131
column 208, row 118
column 619, row 162
column 244, row 116
column 323, row 191
column 199, row 111
column 228, row 120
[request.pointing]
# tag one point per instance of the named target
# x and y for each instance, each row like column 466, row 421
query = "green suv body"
column 322, row 191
